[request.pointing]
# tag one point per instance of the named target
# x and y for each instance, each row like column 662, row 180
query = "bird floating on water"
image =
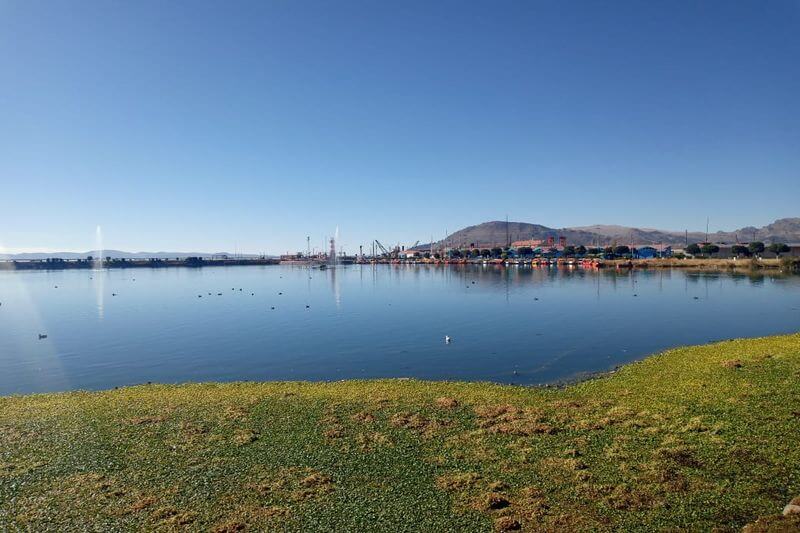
column 42, row 336
column 447, row 339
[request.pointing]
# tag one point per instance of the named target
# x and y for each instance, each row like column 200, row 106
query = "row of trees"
column 523, row 251
column 739, row 250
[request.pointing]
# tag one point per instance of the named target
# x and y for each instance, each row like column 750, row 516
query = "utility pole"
column 706, row 229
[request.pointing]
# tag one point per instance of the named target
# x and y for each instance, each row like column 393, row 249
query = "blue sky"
column 192, row 126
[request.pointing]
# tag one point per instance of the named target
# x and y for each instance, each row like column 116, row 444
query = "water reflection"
column 516, row 324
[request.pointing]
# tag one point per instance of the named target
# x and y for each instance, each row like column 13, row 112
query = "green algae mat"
column 698, row 438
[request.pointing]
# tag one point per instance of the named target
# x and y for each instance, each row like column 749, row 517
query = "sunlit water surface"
column 513, row 325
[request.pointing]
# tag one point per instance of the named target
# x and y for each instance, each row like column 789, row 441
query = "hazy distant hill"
column 494, row 233
column 114, row 254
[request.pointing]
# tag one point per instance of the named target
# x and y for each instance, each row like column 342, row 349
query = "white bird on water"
column 447, row 339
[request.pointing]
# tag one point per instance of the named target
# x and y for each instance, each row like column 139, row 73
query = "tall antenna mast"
column 706, row 229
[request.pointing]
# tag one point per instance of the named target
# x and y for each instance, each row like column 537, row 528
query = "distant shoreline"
column 84, row 264
column 790, row 264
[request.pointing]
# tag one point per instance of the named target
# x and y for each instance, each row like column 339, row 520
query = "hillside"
column 493, row 233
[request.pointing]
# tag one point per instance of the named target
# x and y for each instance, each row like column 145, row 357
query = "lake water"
column 512, row 325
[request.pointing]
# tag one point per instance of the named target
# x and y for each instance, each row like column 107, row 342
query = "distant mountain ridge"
column 786, row 230
column 114, row 254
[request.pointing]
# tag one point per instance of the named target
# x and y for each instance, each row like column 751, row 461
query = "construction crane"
column 382, row 248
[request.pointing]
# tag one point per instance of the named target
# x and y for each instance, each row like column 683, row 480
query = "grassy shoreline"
column 693, row 438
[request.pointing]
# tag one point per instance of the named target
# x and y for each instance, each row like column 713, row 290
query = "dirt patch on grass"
column 458, row 480
column 491, row 501
column 92, row 484
column 372, row 440
column 332, row 427
column 173, row 517
column 678, row 454
column 243, row 437
column 234, row 412
column 193, row 429
column 140, row 505
column 630, row 498
column 406, row 420
column 507, row 523
column 364, row 417
column 292, row 484
column 230, row 527
column 511, row 420
column 313, row 485
column 253, row 517
column 446, row 402
column 774, row 524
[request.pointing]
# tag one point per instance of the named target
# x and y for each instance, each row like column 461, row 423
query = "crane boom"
column 382, row 247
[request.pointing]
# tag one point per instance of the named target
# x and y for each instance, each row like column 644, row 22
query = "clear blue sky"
column 201, row 126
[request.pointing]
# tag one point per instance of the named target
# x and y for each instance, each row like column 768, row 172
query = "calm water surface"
column 515, row 325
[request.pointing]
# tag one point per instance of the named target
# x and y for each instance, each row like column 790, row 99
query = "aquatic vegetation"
column 694, row 438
